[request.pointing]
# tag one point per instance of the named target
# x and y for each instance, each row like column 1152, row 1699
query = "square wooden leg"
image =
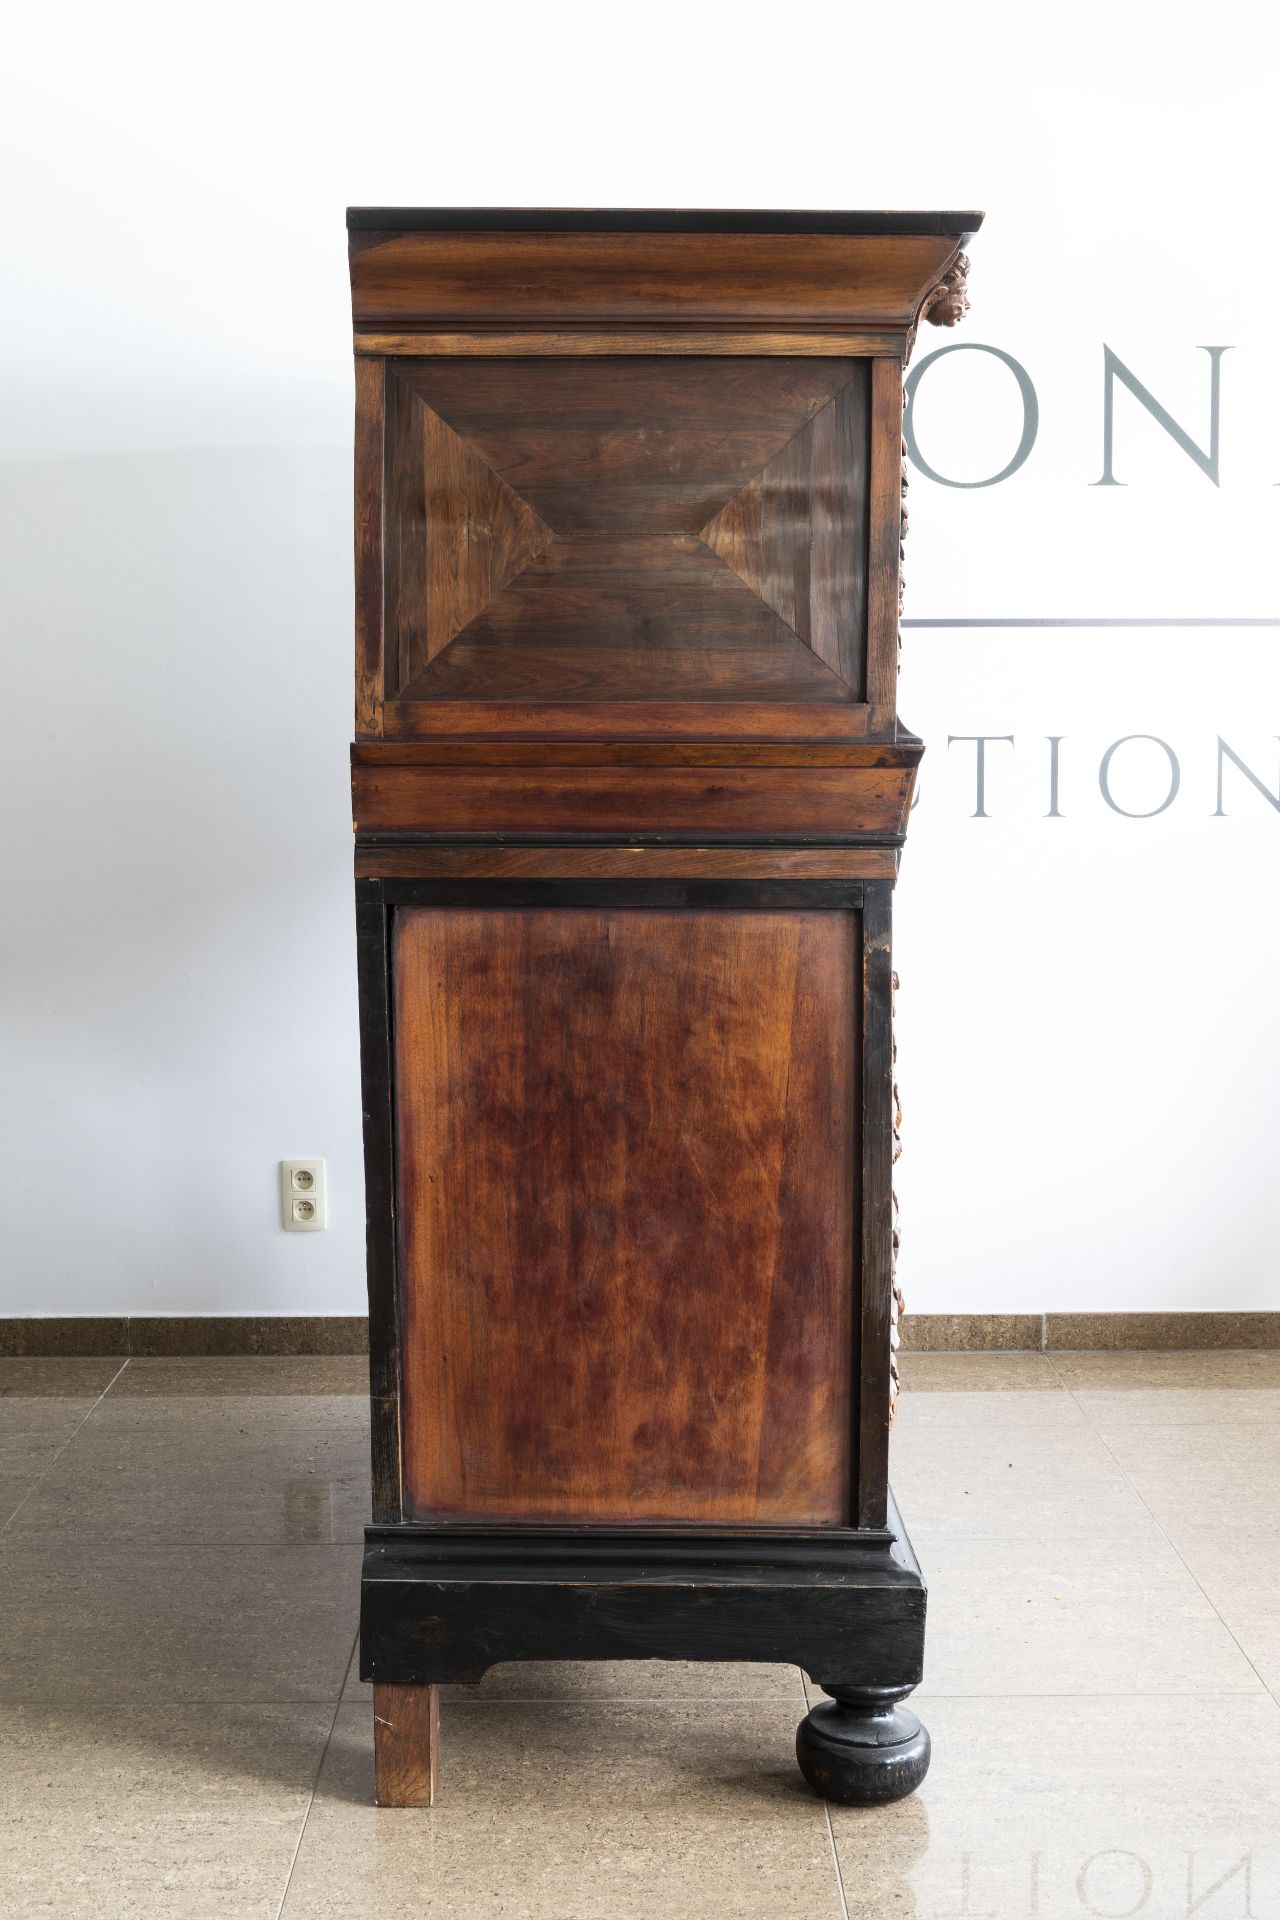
column 406, row 1745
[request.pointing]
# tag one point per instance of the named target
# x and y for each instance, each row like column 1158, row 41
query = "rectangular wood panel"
column 807, row 801
column 627, row 1159
column 651, row 530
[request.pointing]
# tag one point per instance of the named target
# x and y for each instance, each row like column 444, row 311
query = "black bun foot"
column 861, row 1748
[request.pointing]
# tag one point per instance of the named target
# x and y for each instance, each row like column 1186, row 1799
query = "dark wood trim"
column 590, row 840
column 764, row 895
column 377, row 1069
column 775, row 1551
column 762, row 220
column 904, row 751
column 447, row 1605
column 876, row 1209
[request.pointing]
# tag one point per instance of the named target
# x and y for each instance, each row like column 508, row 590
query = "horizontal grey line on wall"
column 1156, row 620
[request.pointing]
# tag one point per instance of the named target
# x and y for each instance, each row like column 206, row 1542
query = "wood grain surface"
column 832, row 802
column 650, row 529
column 539, row 279
column 500, row 721
column 627, row 1161
column 370, row 566
column 586, row 342
column 648, row 445
column 654, row 619
column 796, row 533
column 884, row 541
column 406, row 1745
column 626, row 863
column 906, row 750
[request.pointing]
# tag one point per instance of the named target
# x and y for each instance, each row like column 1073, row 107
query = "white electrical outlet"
column 302, row 1196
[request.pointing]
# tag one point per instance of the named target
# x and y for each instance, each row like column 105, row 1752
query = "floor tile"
column 154, row 1811
column 52, row 1395
column 14, row 1489
column 1215, row 1462
column 24, row 1459
column 985, row 1373
column 994, row 1389
column 42, row 1405
column 1099, row 1536
column 262, row 1414
column 84, row 1624
column 1215, row 1492
column 281, row 1478
column 597, row 1812
column 1072, row 1615
column 1015, row 1479
column 318, row 1376
column 1233, row 1552
column 1165, row 1372
column 1250, row 1609
column 1189, row 1410
column 30, row 1454
column 1054, row 1808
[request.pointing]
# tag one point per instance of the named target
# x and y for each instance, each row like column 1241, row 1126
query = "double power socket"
column 302, row 1208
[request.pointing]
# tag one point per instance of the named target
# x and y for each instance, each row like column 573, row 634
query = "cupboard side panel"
column 626, row 1197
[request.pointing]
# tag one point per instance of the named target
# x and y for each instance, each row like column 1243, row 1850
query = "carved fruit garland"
column 896, row 1307
column 943, row 306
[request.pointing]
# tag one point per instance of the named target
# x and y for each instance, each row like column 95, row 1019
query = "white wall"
column 1088, row 1023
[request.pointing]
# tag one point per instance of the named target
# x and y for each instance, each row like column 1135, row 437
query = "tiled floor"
column 182, row 1732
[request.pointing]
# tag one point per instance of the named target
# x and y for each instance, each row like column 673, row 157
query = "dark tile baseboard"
column 156, row 1336
column 1088, row 1332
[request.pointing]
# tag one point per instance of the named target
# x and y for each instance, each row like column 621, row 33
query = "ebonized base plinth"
column 444, row 1604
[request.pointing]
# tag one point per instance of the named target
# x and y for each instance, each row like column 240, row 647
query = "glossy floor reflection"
column 184, row 1733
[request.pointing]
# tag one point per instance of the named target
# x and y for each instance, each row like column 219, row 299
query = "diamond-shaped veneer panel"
column 479, row 534
column 643, row 617
column 643, row 445
column 795, row 532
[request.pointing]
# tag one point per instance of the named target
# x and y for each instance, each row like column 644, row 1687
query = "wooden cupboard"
column 630, row 792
